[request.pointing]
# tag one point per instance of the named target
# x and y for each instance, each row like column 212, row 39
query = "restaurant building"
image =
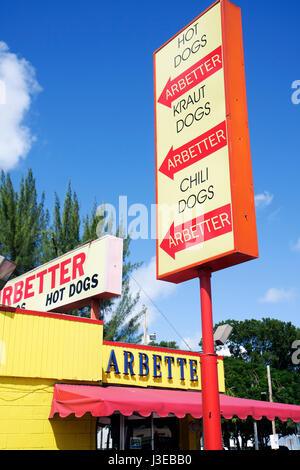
column 63, row 387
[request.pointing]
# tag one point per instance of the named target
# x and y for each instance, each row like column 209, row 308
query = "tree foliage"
column 266, row 341
column 165, row 344
column 22, row 220
column 254, row 344
column 249, row 380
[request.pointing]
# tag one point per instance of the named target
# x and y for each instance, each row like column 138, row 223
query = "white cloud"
column 18, row 86
column 296, row 246
column 274, row 216
column 192, row 341
column 144, row 281
column 145, row 277
column 274, row 295
column 263, row 200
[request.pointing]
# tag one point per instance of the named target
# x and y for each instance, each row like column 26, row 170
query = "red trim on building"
column 153, row 348
column 49, row 315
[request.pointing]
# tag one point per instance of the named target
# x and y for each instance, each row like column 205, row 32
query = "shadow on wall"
column 73, row 433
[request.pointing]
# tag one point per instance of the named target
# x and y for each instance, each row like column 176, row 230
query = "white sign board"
column 93, row 270
column 192, row 148
column 204, row 191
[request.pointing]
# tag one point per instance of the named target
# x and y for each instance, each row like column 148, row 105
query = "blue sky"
column 89, row 116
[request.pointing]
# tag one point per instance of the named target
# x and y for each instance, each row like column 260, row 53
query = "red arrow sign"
column 194, row 151
column 198, row 72
column 198, row 230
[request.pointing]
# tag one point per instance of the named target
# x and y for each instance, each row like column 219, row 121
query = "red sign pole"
column 209, row 372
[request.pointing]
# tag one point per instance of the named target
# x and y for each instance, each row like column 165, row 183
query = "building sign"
column 93, row 270
column 149, row 366
column 205, row 201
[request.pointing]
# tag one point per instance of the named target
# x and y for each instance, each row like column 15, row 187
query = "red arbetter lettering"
column 35, row 284
column 7, row 293
column 198, row 230
column 18, row 291
column 195, row 150
column 64, row 271
column 194, row 75
column 41, row 276
column 78, row 261
column 53, row 270
column 28, row 286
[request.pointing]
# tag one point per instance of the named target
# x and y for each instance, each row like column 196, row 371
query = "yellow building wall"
column 24, row 410
column 39, row 349
column 33, row 344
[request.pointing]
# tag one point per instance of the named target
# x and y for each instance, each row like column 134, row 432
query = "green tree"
column 91, row 225
column 266, row 341
column 253, row 344
column 123, row 325
column 165, row 344
column 249, row 380
column 22, row 221
column 64, row 233
column 246, row 379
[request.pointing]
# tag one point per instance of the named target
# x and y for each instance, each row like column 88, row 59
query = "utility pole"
column 145, row 325
column 270, row 396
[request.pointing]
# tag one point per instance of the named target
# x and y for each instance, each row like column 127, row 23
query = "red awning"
column 104, row 401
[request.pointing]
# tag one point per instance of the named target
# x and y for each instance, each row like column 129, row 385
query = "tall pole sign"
column 205, row 202
column 204, row 188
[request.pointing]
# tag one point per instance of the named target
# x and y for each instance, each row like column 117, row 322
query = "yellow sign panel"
column 145, row 366
column 203, row 161
column 194, row 221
